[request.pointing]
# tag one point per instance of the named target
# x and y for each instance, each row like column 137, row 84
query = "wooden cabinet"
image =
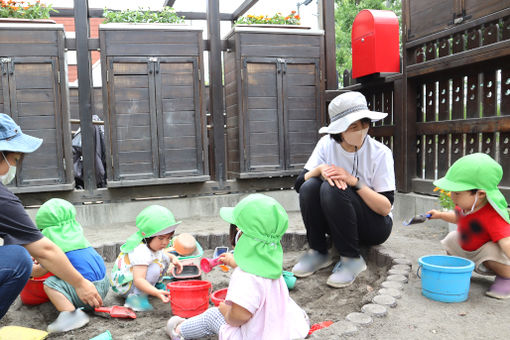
column 33, row 91
column 273, row 102
column 153, row 99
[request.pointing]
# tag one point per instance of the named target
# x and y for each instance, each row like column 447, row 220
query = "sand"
column 312, row 294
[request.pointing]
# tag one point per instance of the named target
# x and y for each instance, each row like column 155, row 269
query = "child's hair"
column 232, row 234
column 474, row 191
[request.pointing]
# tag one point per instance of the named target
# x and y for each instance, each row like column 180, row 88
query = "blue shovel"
column 417, row 219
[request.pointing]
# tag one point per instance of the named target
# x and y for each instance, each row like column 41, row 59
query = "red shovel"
column 117, row 312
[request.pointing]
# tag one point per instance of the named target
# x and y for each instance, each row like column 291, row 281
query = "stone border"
column 386, row 298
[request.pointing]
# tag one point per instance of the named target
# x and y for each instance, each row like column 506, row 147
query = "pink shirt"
column 275, row 316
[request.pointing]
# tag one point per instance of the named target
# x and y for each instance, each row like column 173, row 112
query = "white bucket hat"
column 347, row 108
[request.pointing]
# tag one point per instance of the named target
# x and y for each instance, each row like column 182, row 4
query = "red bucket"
column 33, row 293
column 219, row 296
column 189, row 298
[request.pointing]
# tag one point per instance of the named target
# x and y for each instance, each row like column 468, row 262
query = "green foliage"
column 345, row 12
column 278, row 18
column 24, row 10
column 166, row 15
column 445, row 199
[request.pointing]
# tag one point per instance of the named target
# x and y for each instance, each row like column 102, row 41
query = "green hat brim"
column 447, row 185
column 227, row 213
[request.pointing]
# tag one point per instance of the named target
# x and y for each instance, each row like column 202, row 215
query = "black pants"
column 341, row 214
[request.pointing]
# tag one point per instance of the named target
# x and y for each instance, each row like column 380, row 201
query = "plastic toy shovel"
column 208, row 264
column 417, row 219
column 117, row 312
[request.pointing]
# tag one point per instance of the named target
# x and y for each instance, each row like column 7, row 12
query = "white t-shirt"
column 143, row 256
column 275, row 316
column 374, row 165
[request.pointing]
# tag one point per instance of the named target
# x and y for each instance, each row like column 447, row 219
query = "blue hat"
column 12, row 139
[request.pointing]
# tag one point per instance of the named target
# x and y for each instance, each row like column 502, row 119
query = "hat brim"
column 342, row 124
column 21, row 143
column 227, row 213
column 448, row 185
column 167, row 230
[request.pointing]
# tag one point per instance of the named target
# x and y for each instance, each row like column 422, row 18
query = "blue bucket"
column 445, row 278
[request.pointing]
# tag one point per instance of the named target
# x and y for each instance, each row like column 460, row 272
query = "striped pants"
column 206, row 324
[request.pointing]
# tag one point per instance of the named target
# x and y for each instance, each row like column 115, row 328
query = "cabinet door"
column 179, row 117
column 131, row 119
column 262, row 114
column 36, row 106
column 301, row 101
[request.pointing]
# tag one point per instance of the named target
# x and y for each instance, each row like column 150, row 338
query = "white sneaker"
column 346, row 271
column 172, row 323
column 311, row 262
column 67, row 321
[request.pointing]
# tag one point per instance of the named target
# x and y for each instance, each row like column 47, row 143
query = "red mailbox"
column 375, row 46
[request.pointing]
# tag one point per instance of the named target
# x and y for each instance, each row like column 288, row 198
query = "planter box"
column 153, row 104
column 33, row 91
column 273, row 83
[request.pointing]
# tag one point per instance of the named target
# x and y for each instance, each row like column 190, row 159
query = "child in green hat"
column 481, row 214
column 144, row 259
column 56, row 219
column 257, row 305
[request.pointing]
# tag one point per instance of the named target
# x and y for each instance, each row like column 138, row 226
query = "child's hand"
column 175, row 261
column 228, row 259
column 434, row 214
column 163, row 295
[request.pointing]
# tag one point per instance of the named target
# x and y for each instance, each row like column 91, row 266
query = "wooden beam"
column 169, row 3
column 216, row 104
column 99, row 13
column 93, row 44
column 472, row 125
column 464, row 58
column 327, row 23
column 81, row 24
column 245, row 6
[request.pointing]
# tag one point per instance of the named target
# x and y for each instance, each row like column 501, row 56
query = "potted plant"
column 23, row 11
column 446, row 204
column 273, row 82
column 152, row 73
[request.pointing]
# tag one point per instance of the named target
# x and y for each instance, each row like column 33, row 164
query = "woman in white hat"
column 21, row 238
column 346, row 190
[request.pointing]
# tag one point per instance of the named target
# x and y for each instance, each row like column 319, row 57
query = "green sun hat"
column 56, row 219
column 154, row 220
column 263, row 222
column 477, row 171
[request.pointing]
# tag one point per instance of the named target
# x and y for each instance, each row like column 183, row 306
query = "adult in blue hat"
column 21, row 238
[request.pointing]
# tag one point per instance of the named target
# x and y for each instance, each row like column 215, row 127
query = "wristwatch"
column 358, row 185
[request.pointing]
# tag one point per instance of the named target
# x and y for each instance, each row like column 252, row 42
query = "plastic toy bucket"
column 189, row 298
column 33, row 293
column 219, row 296
column 445, row 278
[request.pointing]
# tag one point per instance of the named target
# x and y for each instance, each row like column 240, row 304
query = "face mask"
column 472, row 207
column 238, row 235
column 11, row 173
column 355, row 138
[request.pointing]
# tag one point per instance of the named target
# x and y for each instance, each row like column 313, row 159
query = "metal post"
column 81, row 24
column 327, row 23
column 216, row 89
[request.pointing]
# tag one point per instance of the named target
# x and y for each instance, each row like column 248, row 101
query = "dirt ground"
column 312, row 294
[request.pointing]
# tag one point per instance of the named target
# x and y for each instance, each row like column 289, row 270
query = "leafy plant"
column 278, row 19
column 25, row 10
column 166, row 15
column 445, row 199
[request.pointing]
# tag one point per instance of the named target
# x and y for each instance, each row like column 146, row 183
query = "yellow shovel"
column 17, row 333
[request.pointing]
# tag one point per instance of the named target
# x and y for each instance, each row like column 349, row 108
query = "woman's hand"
column 339, row 177
column 163, row 295
column 228, row 259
